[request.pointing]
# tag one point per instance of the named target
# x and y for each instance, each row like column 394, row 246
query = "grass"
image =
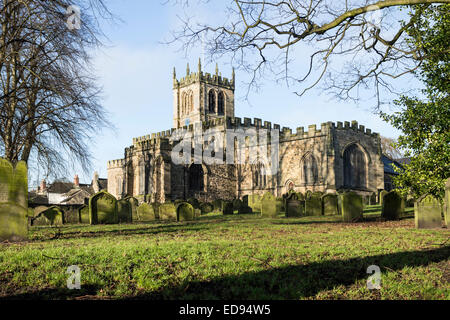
column 231, row 257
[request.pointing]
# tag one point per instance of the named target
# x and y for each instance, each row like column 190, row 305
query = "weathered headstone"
column 308, row 194
column 145, row 213
column 13, row 201
column 269, row 205
column 185, row 212
column 103, row 208
column 294, row 206
column 52, row 216
column 206, row 207
column 134, row 204
column 351, row 206
column 227, row 207
column 330, row 205
column 84, row 214
column 313, row 205
column 245, row 200
column 427, row 213
column 217, row 205
column 237, row 204
column 124, row 211
column 167, row 211
column 71, row 216
column 393, row 206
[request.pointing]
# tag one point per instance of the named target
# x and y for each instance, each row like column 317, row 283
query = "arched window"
column 354, row 167
column 211, row 101
column 196, row 176
column 259, row 176
column 221, row 103
column 191, row 101
column 310, row 169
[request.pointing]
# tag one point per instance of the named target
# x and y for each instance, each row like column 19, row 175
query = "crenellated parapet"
column 119, row 163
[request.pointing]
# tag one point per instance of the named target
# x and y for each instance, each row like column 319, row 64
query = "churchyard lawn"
column 231, row 257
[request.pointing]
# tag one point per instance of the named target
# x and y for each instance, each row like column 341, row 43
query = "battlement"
column 119, row 163
column 199, row 76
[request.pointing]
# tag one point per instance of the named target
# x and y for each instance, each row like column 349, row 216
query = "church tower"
column 201, row 96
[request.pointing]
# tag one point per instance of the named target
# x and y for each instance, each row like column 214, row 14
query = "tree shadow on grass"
column 86, row 292
column 295, row 281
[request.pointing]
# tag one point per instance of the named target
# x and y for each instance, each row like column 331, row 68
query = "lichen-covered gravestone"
column 13, row 201
column 84, row 215
column 134, row 204
column 294, row 206
column 145, row 213
column 447, row 204
column 167, row 211
column 393, row 206
column 185, row 212
column 313, row 205
column 103, row 208
column 227, row 207
column 206, row 207
column 194, row 202
column 330, row 205
column 351, row 206
column 269, row 205
column 125, row 215
column 71, row 216
column 427, row 213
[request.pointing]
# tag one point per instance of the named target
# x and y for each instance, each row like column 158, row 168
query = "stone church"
column 336, row 156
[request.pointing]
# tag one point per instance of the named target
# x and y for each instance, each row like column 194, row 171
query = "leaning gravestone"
column 185, row 212
column 124, row 211
column 103, row 208
column 313, row 205
column 351, row 206
column 330, row 205
column 393, row 206
column 294, row 206
column 427, row 213
column 167, row 211
column 13, row 201
column 447, row 204
column 269, row 205
column 145, row 213
column 227, row 207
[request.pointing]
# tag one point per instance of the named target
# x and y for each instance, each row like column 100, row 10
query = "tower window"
column 221, row 103
column 211, row 101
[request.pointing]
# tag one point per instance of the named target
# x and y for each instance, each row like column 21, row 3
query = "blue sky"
column 135, row 70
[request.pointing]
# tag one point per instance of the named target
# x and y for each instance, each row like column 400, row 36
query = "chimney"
column 76, row 181
column 95, row 184
column 43, row 186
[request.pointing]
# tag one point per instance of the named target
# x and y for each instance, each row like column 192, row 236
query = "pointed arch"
column 211, row 101
column 310, row 169
column 355, row 163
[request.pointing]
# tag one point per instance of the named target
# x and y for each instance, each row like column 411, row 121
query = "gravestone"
column 145, row 212
column 330, row 205
column 427, row 213
column 313, row 205
column 167, row 211
column 237, row 204
column 52, row 216
column 134, row 204
column 300, row 196
column 103, row 208
column 84, row 214
column 71, row 215
column 393, row 206
column 185, row 212
column 124, row 213
column 13, row 201
column 245, row 210
column 227, row 207
column 351, row 206
column 245, row 200
column 308, row 194
column 206, row 208
column 381, row 196
column 217, row 205
column 447, row 204
column 254, row 202
column 269, row 205
column 294, row 206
